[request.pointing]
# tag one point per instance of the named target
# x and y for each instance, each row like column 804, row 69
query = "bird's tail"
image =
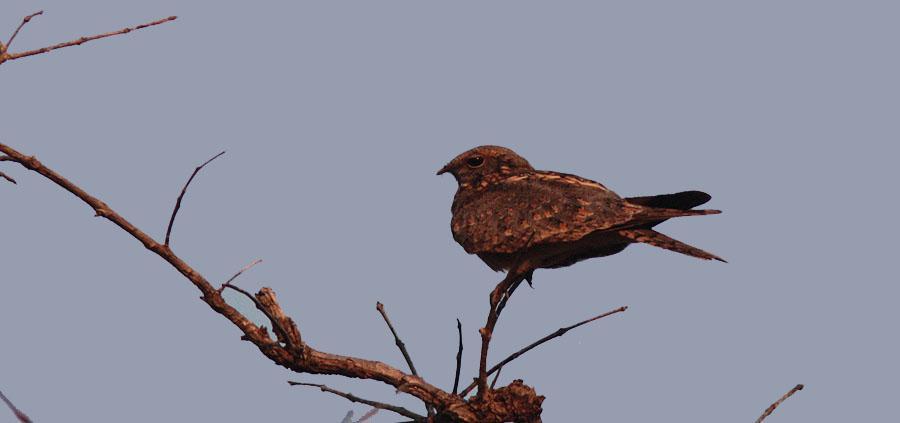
column 649, row 236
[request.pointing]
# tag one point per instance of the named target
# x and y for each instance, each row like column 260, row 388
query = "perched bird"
column 512, row 215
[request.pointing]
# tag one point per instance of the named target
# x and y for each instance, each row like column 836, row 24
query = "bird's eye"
column 475, row 161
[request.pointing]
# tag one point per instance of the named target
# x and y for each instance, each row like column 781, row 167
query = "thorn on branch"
column 777, row 403
column 23, row 418
column 384, row 406
column 5, row 55
column 181, row 196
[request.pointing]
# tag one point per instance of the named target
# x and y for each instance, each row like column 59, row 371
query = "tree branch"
column 402, row 346
column 5, row 55
column 308, row 360
column 19, row 414
column 559, row 332
column 4, row 176
column 25, row 20
column 498, row 299
column 458, row 357
column 181, row 196
column 777, row 403
column 399, row 410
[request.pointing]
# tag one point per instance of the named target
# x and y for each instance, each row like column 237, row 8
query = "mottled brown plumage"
column 507, row 212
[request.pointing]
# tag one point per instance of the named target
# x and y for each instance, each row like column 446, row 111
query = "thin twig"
column 19, row 414
column 8, row 178
column 181, row 196
column 458, row 357
column 496, row 376
column 83, row 40
column 371, row 413
column 399, row 410
column 25, row 20
column 777, row 403
column 402, row 346
column 243, row 269
column 380, row 307
column 559, row 332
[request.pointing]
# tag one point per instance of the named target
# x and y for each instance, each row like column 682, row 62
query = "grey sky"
column 336, row 115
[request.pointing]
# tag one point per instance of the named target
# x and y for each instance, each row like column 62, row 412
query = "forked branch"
column 5, row 55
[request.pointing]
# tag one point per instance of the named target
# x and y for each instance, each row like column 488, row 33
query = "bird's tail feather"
column 649, row 236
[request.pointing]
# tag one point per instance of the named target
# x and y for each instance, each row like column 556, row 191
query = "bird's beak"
column 444, row 169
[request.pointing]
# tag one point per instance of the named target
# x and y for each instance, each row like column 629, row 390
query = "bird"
column 518, row 219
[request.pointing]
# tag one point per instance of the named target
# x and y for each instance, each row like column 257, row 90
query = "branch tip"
column 181, row 196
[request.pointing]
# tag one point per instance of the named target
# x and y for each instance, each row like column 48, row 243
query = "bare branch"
column 777, row 403
column 243, row 269
column 308, row 360
column 458, row 357
column 496, row 376
column 399, row 410
column 8, row 178
column 25, row 20
column 19, row 414
column 498, row 299
column 82, row 40
column 181, row 196
column 402, row 346
column 559, row 332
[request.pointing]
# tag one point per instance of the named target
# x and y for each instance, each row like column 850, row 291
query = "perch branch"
column 25, row 20
column 458, row 358
column 399, row 410
column 19, row 414
column 777, row 403
column 559, row 332
column 309, row 360
column 13, row 56
column 498, row 300
column 181, row 196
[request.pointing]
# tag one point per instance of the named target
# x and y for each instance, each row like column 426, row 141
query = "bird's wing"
column 534, row 209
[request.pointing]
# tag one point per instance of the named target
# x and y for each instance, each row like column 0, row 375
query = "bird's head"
column 484, row 165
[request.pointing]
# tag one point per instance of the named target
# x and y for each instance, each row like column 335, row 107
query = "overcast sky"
column 336, row 115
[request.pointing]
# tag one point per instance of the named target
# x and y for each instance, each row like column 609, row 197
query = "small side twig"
column 499, row 296
column 559, row 332
column 777, row 403
column 496, row 376
column 8, row 178
column 25, row 20
column 243, row 269
column 181, row 196
column 13, row 56
column 458, row 357
column 401, row 345
column 19, row 414
column 399, row 410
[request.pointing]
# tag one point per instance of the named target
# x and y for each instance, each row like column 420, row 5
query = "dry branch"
column 401, row 345
column 384, row 406
column 181, row 197
column 459, row 352
column 296, row 355
column 25, row 20
column 777, row 403
column 5, row 55
column 23, row 418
